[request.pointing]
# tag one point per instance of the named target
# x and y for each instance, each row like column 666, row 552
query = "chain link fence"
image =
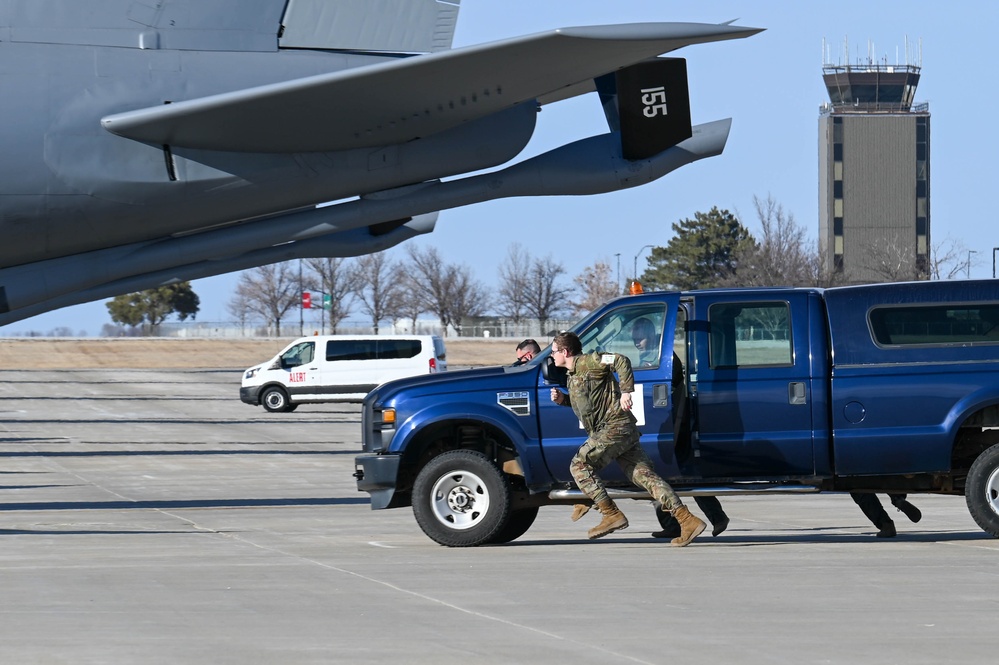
column 486, row 327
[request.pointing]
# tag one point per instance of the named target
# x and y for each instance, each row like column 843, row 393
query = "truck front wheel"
column 461, row 499
column 982, row 490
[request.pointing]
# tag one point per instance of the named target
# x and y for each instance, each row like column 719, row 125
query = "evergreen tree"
column 153, row 306
column 701, row 254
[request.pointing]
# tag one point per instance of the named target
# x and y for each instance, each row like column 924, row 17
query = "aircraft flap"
column 415, row 26
column 409, row 98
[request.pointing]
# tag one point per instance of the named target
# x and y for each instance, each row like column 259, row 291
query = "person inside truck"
column 646, row 339
column 871, row 506
column 603, row 404
column 526, row 351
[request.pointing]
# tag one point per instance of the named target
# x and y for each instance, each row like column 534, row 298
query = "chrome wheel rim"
column 992, row 491
column 460, row 500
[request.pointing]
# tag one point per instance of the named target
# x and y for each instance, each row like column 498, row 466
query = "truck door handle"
column 660, row 396
column 796, row 393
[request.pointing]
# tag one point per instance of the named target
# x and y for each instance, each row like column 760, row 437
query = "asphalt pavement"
column 151, row 517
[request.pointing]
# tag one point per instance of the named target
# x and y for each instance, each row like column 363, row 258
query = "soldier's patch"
column 607, row 359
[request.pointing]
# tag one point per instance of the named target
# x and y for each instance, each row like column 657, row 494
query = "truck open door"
column 641, row 329
column 750, row 386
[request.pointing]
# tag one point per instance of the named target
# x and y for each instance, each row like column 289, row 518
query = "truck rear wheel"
column 982, row 490
column 461, row 499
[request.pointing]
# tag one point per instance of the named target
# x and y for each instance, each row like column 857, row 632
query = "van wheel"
column 981, row 491
column 461, row 499
column 275, row 400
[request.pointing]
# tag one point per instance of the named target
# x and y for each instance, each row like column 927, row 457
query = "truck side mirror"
column 553, row 373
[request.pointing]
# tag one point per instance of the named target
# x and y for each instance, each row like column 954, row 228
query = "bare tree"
column 514, row 272
column 546, row 297
column 410, row 303
column 596, row 286
column 337, row 278
column 239, row 308
column 891, row 262
column 378, row 290
column 782, row 256
column 270, row 291
column 949, row 259
column 446, row 290
column 467, row 296
column 427, row 274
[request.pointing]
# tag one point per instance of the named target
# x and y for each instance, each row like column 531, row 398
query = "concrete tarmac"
column 151, row 517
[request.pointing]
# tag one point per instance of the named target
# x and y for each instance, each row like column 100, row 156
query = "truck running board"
column 720, row 490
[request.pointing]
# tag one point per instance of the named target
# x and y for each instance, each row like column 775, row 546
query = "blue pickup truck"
column 873, row 388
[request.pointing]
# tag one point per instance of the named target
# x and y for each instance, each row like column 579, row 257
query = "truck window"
column 749, row 334
column 935, row 325
column 680, row 335
column 635, row 331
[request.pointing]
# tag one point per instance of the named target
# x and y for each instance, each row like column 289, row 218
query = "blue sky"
column 771, row 86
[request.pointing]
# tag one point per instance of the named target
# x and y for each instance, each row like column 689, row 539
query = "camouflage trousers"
column 619, row 444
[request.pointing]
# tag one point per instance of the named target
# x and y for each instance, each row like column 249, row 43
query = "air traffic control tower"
column 874, row 174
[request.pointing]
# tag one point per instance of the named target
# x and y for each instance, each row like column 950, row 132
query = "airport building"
column 874, row 174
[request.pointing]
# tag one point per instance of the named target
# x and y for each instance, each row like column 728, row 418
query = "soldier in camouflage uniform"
column 604, row 407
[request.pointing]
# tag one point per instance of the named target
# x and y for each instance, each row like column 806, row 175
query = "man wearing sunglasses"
column 526, row 351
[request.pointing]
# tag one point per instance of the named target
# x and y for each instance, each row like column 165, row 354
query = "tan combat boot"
column 690, row 527
column 613, row 520
column 579, row 510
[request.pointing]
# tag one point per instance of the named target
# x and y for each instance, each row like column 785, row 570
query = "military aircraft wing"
column 408, row 98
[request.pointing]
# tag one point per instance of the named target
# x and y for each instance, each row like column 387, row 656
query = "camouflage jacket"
column 594, row 393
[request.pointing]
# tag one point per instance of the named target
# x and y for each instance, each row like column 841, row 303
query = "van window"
column 935, row 324
column 749, row 334
column 300, row 354
column 372, row 349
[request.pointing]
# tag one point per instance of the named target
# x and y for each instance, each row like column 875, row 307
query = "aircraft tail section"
column 653, row 104
column 385, row 26
column 648, row 104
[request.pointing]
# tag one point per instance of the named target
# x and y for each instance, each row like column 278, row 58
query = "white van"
column 338, row 368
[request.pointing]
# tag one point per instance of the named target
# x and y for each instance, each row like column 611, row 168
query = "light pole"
column 635, row 267
column 994, row 250
column 970, row 252
column 618, row 255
